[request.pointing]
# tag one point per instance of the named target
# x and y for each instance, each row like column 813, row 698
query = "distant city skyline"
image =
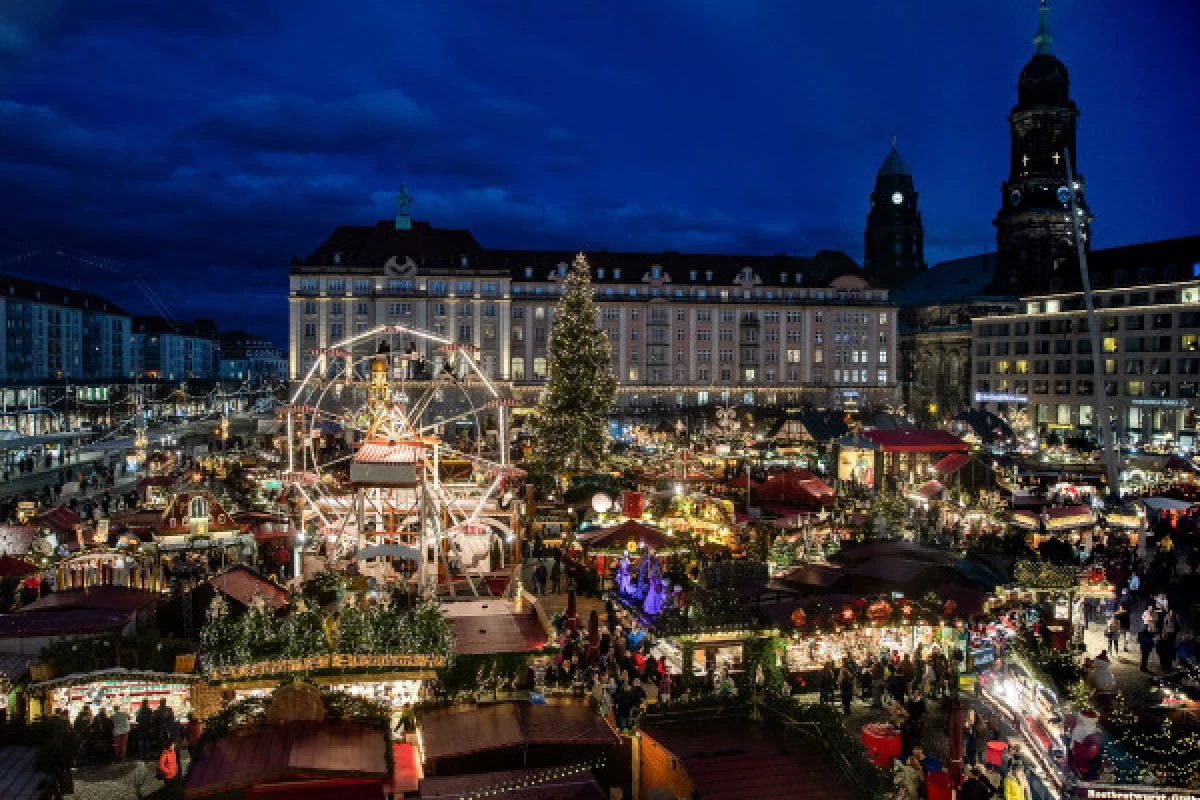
column 201, row 147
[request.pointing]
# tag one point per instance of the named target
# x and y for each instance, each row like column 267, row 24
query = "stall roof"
column 240, row 583
column 620, row 536
column 494, row 626
column 520, row 784
column 59, row 518
column 61, row 623
column 270, row 753
column 739, row 759
column 19, row 776
column 99, row 598
column 452, row 732
column 14, row 667
column 917, row 441
column 797, row 486
column 117, row 673
column 951, row 463
column 16, row 539
column 12, row 567
column 930, row 489
column 1166, row 504
column 1177, row 463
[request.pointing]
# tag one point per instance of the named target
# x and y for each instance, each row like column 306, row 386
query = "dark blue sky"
column 202, row 144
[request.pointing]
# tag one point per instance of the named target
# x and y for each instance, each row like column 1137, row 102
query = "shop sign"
column 1000, row 397
column 1156, row 402
column 336, row 661
column 1133, row 793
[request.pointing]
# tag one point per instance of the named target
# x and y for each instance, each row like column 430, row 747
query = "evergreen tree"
column 572, row 426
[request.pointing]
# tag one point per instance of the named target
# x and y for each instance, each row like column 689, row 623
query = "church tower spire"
column 1044, row 39
column 894, row 241
column 1034, row 236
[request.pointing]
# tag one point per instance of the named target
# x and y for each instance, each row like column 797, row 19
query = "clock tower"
column 1035, row 241
column 895, row 240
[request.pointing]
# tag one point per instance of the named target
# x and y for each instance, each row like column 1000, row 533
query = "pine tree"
column 572, row 426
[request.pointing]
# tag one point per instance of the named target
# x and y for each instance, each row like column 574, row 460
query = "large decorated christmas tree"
column 572, row 426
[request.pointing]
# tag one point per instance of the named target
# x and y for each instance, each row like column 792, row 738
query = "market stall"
column 117, row 687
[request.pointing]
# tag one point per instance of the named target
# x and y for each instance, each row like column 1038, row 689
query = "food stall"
column 1036, row 715
column 110, row 688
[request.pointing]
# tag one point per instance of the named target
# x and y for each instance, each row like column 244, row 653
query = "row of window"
column 1141, row 297
column 1164, row 320
column 1187, row 343
column 1153, row 389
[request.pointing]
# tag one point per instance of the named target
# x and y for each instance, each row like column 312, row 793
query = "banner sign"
column 335, row 661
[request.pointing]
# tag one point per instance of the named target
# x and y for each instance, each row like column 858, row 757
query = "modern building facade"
column 173, row 351
column 55, row 334
column 247, row 357
column 685, row 329
column 1040, row 357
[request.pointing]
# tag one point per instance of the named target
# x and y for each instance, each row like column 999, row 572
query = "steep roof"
column 909, row 441
column 951, row 281
column 374, row 245
column 241, row 584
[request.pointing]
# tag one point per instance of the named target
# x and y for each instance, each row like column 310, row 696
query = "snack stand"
column 808, row 652
column 1035, row 714
column 110, row 688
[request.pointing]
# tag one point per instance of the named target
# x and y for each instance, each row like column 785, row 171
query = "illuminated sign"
column 335, row 661
column 1000, row 397
column 1160, row 402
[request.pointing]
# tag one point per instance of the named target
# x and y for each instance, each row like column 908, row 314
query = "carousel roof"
column 455, row 732
column 797, row 486
column 628, row 532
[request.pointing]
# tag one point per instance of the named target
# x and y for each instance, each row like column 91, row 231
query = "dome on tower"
column 894, row 164
column 1044, row 81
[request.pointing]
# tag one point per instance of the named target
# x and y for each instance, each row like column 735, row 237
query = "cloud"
column 293, row 123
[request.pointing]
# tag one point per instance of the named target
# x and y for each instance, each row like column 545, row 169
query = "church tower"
column 895, row 240
column 1034, row 237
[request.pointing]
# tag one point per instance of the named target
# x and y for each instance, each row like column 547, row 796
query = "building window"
column 310, row 330
column 310, row 307
column 518, row 368
column 539, row 368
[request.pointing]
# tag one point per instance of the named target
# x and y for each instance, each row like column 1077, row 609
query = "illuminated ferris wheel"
column 397, row 440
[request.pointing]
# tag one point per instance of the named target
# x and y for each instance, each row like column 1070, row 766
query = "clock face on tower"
column 897, row 198
column 1064, row 195
column 1014, row 197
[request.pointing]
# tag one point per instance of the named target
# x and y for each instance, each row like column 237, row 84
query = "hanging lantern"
column 949, row 609
column 848, row 613
column 906, row 609
column 799, row 619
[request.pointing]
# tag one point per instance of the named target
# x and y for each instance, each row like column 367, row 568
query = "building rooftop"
column 14, row 287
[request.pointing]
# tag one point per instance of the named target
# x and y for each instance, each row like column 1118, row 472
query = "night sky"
column 201, row 147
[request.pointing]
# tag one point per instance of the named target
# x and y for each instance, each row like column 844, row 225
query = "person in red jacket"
column 168, row 764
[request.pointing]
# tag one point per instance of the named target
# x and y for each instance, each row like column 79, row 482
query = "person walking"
column 1146, row 643
column 120, row 723
column 168, row 766
column 1112, row 632
column 1125, row 621
column 847, row 689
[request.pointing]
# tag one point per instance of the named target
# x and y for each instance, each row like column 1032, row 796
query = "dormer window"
column 655, row 272
column 783, row 276
column 464, row 262
column 692, row 275
column 562, row 270
column 616, row 274
column 528, row 273
column 600, row 273
column 708, row 274
column 798, row 277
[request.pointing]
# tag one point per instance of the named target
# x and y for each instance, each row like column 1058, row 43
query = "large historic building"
column 685, row 329
column 1035, row 238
